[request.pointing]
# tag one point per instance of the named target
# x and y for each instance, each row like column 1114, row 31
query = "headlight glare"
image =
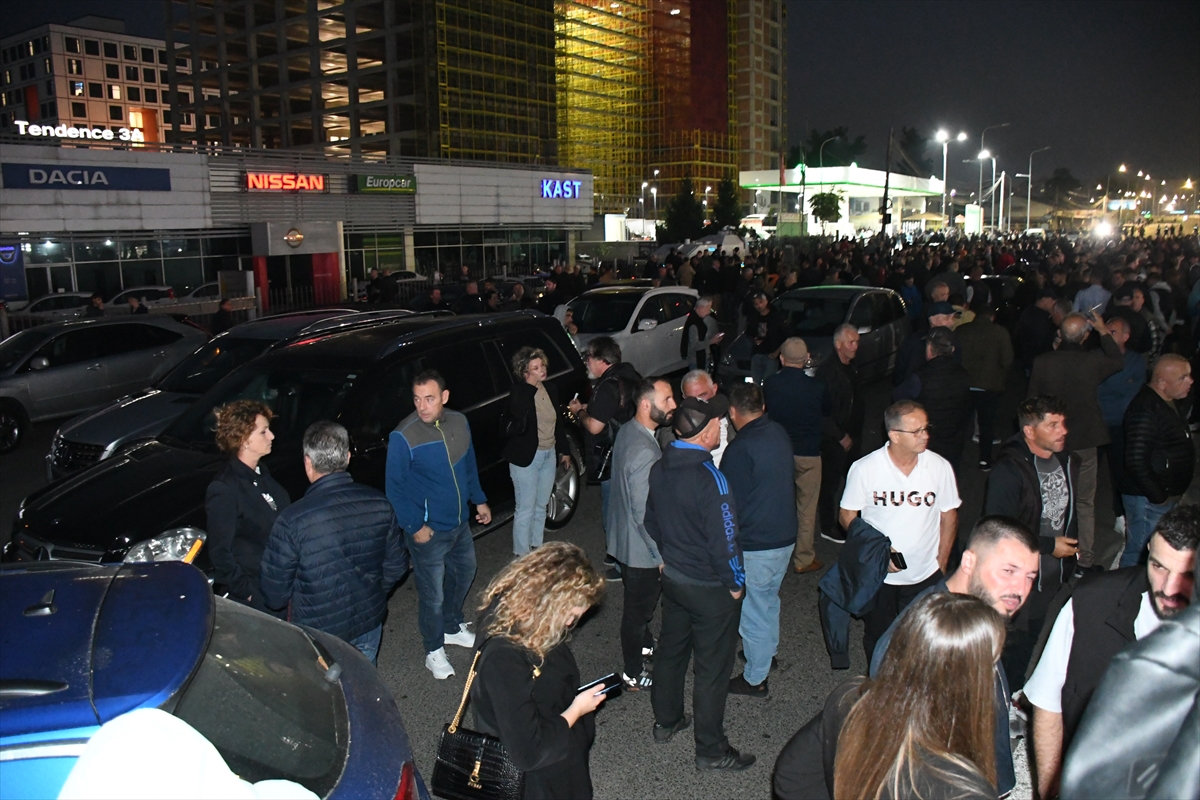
column 179, row 544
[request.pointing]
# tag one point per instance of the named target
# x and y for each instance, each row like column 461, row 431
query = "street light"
column 644, row 185
column 984, row 155
column 944, row 137
column 821, row 149
column 654, row 193
column 1029, row 192
column 707, row 189
column 982, row 149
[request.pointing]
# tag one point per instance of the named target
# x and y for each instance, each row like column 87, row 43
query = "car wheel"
column 13, row 426
column 568, row 483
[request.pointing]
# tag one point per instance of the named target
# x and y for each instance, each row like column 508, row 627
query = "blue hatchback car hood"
column 82, row 644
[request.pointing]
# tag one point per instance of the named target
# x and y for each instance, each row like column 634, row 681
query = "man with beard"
column 999, row 567
column 1105, row 613
column 635, row 451
column 1034, row 483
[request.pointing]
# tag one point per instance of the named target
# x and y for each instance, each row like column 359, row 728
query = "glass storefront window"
column 176, row 248
column 427, row 260
column 95, row 251
column 37, row 282
column 60, row 279
column 472, row 237
column 139, row 249
column 48, row 252
column 183, row 274
column 141, row 273
column 391, row 259
column 448, row 237
column 103, row 277
column 226, row 246
column 424, row 239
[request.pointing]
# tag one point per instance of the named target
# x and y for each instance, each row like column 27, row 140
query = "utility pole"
column 887, row 177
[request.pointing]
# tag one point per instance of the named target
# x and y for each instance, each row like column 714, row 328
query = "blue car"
column 81, row 644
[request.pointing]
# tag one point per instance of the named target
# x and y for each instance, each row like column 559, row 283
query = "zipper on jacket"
column 457, row 492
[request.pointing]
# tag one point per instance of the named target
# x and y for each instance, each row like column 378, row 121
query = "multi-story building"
column 88, row 74
column 761, row 87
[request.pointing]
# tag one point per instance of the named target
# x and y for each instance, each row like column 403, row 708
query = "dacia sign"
column 560, row 190
column 85, row 176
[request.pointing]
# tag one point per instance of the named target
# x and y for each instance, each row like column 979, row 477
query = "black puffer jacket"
column 1159, row 456
column 1013, row 490
column 334, row 555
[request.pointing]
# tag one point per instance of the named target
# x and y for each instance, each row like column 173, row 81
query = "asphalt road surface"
column 625, row 761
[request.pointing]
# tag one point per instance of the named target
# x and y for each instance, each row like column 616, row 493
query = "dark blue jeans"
column 368, row 643
column 444, row 568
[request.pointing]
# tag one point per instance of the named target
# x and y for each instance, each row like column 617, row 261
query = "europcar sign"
column 71, row 132
column 85, row 176
column 386, row 184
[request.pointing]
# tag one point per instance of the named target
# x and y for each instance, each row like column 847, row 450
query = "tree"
column 684, row 217
column 912, row 145
column 826, row 206
column 837, row 153
column 1061, row 184
column 727, row 212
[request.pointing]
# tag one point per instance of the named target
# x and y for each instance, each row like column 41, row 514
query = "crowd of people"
column 710, row 494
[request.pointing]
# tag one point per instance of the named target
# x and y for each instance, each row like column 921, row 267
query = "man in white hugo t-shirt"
column 910, row 496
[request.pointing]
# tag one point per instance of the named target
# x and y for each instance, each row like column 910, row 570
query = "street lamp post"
column 707, row 189
column 944, row 138
column 983, row 149
column 821, row 150
column 644, row 185
column 984, row 155
column 1029, row 191
column 654, row 194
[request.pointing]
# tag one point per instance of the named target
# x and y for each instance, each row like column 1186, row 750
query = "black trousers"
column 703, row 619
column 642, row 589
column 890, row 601
column 985, row 404
column 1114, row 452
column 835, row 463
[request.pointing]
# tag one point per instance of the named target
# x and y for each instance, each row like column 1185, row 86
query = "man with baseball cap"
column 692, row 518
column 911, row 355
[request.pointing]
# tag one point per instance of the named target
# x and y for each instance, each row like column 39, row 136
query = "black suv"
column 359, row 375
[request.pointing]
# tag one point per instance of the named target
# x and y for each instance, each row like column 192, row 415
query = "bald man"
column 800, row 404
column 1075, row 374
column 700, row 385
column 1160, row 458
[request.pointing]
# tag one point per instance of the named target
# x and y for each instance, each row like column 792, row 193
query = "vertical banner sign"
column 974, row 219
column 12, row 273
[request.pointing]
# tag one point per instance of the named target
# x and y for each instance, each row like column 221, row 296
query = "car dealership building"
column 107, row 216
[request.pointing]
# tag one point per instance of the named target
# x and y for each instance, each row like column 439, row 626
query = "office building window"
column 133, row 93
column 76, row 88
column 48, row 67
column 110, row 49
column 95, row 90
column 162, row 77
column 162, row 56
column 131, row 73
column 50, row 88
column 91, row 47
column 151, row 95
column 148, row 76
column 74, row 66
column 112, row 72
column 148, row 55
column 7, row 76
column 71, row 44
column 79, row 110
column 114, row 92
column 130, row 52
column 116, row 113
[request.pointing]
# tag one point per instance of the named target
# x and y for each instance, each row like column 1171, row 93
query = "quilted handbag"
column 472, row 765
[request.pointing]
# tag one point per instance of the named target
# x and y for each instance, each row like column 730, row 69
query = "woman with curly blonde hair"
column 526, row 685
column 243, row 501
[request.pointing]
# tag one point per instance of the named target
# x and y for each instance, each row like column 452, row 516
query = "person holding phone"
column 527, row 688
column 909, row 494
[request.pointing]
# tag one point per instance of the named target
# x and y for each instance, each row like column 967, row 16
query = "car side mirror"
column 865, row 329
column 647, row 324
column 39, row 362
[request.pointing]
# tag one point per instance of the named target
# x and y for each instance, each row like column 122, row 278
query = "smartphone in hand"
column 898, row 560
column 610, row 685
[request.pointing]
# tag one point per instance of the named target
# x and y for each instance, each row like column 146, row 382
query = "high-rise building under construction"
column 642, row 92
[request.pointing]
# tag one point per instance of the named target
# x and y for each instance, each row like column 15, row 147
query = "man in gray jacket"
column 634, row 452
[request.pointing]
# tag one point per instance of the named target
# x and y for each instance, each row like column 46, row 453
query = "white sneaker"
column 437, row 663
column 464, row 637
column 1119, row 525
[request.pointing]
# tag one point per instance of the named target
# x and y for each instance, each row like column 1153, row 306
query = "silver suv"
column 67, row 367
column 646, row 323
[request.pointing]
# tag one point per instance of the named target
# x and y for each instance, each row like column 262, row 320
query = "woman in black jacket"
column 243, row 501
column 525, row 691
column 535, row 434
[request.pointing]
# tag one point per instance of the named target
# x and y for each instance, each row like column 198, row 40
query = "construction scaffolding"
column 603, row 59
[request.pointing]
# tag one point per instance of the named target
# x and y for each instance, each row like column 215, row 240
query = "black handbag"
column 472, row 765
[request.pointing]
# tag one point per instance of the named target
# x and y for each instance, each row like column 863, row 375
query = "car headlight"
column 179, row 544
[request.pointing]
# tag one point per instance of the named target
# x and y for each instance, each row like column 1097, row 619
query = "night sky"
column 1102, row 82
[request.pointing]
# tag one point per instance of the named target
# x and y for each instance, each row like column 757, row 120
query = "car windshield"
column 260, row 696
column 297, row 396
column 200, row 371
column 604, row 313
column 19, row 345
column 813, row 315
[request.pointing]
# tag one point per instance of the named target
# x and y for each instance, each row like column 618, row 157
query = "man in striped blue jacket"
column 431, row 477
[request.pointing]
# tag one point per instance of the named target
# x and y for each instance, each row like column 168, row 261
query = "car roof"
column 60, row 294
column 85, row 643
column 163, row 320
column 840, row 291
column 376, row 339
column 638, row 290
column 282, row 326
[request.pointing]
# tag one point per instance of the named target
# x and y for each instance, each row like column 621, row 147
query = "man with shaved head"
column 1075, row 374
column 801, row 404
column 1160, row 458
column 700, row 385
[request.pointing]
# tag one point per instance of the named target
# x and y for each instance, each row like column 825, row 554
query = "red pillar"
column 327, row 278
column 260, row 280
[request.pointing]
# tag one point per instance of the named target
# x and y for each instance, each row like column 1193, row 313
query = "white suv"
column 646, row 323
